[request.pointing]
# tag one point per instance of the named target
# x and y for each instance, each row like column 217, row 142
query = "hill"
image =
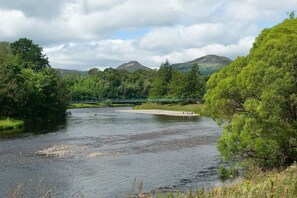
column 132, row 66
column 69, row 71
column 208, row 64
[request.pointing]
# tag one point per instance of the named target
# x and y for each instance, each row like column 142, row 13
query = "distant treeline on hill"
column 122, row 84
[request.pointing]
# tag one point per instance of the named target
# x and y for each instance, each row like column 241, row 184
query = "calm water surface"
column 105, row 150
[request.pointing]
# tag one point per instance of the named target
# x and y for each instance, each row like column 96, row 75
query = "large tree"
column 195, row 85
column 256, row 99
column 29, row 55
column 29, row 87
column 160, row 86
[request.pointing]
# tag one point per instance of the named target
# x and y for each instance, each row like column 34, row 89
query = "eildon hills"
column 207, row 64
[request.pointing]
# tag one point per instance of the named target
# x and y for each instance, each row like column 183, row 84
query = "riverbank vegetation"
column 195, row 108
column 7, row 123
column 272, row 183
column 29, row 88
column 117, row 84
column 256, row 98
column 83, row 105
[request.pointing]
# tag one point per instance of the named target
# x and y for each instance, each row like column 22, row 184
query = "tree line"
column 31, row 89
column 121, row 84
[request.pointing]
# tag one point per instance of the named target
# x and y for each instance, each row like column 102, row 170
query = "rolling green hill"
column 208, row 64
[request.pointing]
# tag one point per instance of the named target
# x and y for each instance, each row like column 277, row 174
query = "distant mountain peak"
column 211, row 58
column 132, row 66
column 208, row 64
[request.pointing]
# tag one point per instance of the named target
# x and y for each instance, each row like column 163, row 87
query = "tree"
column 178, row 85
column 256, row 98
column 29, row 54
column 160, row 87
column 29, row 88
column 12, row 92
column 194, row 84
column 6, row 56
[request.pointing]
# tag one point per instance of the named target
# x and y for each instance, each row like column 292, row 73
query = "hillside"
column 208, row 64
column 69, row 71
column 132, row 66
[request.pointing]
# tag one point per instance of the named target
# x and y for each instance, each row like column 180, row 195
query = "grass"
column 196, row 108
column 8, row 123
column 81, row 105
column 23, row 190
column 277, row 184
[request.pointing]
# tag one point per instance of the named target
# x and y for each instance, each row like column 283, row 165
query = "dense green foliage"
column 256, row 97
column 121, row 84
column 109, row 84
column 29, row 87
column 173, row 84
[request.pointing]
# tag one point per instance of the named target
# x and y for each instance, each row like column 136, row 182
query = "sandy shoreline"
column 162, row 112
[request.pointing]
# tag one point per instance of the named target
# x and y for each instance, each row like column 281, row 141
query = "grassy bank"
column 276, row 184
column 196, row 108
column 81, row 105
column 7, row 123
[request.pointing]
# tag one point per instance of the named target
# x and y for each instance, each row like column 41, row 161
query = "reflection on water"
column 99, row 153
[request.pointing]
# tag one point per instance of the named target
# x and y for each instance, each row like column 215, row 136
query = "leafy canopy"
column 256, row 98
column 29, row 88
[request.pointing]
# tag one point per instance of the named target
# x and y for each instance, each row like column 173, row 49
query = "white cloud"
column 12, row 23
column 255, row 9
column 111, row 53
column 194, row 36
column 81, row 33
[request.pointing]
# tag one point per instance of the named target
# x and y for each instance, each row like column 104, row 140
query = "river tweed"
column 99, row 152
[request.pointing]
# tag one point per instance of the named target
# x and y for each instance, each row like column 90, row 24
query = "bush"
column 256, row 98
column 230, row 172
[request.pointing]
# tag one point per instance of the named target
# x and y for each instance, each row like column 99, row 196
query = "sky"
column 82, row 34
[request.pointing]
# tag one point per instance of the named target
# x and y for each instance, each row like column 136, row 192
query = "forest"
column 141, row 84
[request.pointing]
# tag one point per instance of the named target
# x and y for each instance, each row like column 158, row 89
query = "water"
column 102, row 151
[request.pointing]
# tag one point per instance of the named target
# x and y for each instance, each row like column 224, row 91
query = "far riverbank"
column 196, row 109
column 162, row 112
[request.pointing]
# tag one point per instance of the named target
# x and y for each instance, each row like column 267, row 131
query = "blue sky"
column 81, row 34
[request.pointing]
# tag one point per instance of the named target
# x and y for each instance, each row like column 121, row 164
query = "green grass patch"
column 196, row 108
column 82, row 105
column 274, row 183
column 8, row 123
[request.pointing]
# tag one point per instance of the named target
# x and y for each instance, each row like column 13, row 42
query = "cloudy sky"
column 81, row 34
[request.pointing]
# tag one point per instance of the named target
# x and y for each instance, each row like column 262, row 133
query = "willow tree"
column 255, row 97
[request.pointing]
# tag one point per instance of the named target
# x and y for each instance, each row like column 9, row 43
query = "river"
column 99, row 152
